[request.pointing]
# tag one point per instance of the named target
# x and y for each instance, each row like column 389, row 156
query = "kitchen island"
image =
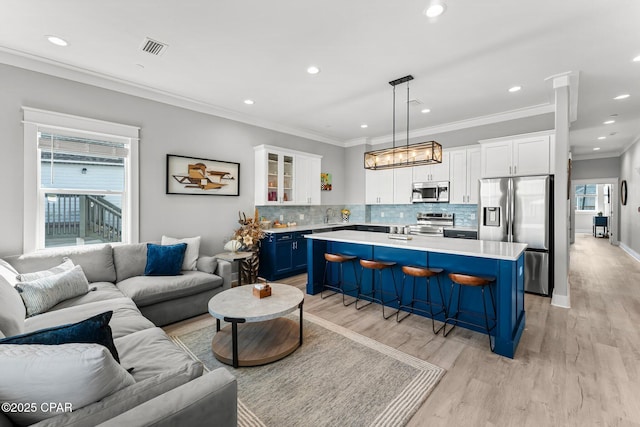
column 504, row 261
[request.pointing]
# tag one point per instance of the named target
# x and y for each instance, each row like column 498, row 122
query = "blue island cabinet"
column 508, row 288
column 283, row 255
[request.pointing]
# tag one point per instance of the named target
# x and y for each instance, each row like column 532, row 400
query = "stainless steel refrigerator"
column 521, row 210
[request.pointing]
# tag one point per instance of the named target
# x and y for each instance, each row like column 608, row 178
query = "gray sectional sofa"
column 169, row 388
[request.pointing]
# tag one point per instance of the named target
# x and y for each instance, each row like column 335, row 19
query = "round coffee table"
column 257, row 334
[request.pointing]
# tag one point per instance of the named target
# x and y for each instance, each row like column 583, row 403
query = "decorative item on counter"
column 233, row 246
column 345, row 214
column 265, row 223
column 249, row 234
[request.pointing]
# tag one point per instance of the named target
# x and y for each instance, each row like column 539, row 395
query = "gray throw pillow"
column 75, row 375
column 207, row 264
column 29, row 277
column 42, row 294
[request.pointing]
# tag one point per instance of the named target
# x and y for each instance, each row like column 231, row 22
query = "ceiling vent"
column 153, row 47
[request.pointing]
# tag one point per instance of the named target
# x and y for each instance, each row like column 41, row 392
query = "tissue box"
column 263, row 292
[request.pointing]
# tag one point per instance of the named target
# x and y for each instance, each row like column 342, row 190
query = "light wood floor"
column 573, row 367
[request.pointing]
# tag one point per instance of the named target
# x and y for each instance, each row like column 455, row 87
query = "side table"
column 236, row 257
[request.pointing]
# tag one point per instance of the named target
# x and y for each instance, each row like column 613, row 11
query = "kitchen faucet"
column 329, row 213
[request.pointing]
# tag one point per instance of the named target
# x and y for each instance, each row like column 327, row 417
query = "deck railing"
column 84, row 217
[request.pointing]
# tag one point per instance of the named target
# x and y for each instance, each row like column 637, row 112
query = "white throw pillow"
column 28, row 277
column 76, row 374
column 42, row 294
column 192, row 252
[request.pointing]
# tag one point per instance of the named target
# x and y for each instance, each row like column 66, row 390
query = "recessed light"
column 602, row 137
column 636, row 59
column 313, row 70
column 249, row 101
column 596, row 148
column 608, row 122
column 425, row 111
column 515, row 89
column 364, row 126
column 434, row 9
column 623, row 96
column 57, row 40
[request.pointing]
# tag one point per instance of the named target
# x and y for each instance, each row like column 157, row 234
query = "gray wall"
column 355, row 175
column 630, row 213
column 608, row 167
column 165, row 130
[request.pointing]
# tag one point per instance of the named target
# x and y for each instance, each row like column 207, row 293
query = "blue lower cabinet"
column 508, row 287
column 283, row 255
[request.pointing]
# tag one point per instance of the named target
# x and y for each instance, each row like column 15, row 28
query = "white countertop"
column 465, row 247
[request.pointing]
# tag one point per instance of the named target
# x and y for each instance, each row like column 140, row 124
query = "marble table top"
column 240, row 303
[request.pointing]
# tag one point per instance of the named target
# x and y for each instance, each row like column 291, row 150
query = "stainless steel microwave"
column 430, row 192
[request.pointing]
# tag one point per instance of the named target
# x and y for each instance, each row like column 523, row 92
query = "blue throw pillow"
column 164, row 260
column 94, row 330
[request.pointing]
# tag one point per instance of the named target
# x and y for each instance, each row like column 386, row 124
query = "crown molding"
column 520, row 113
column 630, row 144
column 578, row 157
column 43, row 65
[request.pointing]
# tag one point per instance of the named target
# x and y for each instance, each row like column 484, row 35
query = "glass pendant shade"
column 424, row 153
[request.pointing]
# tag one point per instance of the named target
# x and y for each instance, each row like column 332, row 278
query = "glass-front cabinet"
column 280, row 172
column 286, row 177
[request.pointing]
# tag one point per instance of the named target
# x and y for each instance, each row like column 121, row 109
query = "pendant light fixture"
column 423, row 153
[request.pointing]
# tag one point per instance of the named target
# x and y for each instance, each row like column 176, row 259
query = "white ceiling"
column 222, row 52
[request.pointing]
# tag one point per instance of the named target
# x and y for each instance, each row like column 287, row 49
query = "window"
column 586, row 196
column 80, row 181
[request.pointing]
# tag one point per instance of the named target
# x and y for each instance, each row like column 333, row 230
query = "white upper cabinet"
column 280, row 180
column 464, row 170
column 435, row 172
column 517, row 156
column 379, row 187
column 402, row 181
column 307, row 180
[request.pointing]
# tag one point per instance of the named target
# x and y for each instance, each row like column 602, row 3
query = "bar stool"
column 427, row 273
column 463, row 281
column 339, row 286
column 378, row 266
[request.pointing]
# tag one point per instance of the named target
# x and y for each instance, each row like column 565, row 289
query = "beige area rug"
column 337, row 377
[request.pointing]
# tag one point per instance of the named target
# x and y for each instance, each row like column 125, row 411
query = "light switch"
column 301, row 216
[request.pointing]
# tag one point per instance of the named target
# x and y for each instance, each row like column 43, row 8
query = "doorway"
column 597, row 197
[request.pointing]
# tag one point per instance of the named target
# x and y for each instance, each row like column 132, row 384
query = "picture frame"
column 202, row 177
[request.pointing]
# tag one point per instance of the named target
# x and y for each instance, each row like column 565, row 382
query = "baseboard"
column 630, row 251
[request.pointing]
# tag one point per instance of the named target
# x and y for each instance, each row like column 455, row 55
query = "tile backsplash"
column 465, row 215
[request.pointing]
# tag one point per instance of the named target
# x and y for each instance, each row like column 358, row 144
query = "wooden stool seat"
column 377, row 293
column 339, row 286
column 417, row 272
column 338, row 257
column 376, row 265
column 468, row 280
column 412, row 270
column 471, row 281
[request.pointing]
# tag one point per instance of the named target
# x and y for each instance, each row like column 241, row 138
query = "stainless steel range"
column 432, row 224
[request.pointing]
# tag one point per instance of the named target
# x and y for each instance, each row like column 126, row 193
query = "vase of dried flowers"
column 249, row 234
